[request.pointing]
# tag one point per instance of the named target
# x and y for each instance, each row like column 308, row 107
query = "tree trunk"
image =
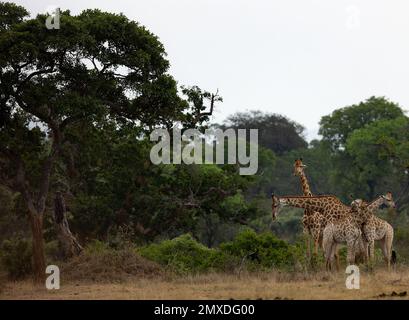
column 36, row 221
column 68, row 243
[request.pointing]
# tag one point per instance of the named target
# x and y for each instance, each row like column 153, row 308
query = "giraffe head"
column 275, row 206
column 388, row 200
column 299, row 167
column 358, row 204
column 360, row 210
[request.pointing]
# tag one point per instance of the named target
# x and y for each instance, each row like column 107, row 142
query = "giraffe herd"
column 330, row 223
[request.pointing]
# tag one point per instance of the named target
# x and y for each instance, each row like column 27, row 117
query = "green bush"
column 185, row 255
column 263, row 249
column 16, row 256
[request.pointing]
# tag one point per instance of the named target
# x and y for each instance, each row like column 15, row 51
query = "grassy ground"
column 377, row 285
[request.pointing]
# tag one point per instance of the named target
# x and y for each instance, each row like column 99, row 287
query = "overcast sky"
column 302, row 59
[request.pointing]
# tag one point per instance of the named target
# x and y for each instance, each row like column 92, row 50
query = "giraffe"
column 331, row 208
column 314, row 222
column 311, row 220
column 327, row 205
column 348, row 230
column 377, row 229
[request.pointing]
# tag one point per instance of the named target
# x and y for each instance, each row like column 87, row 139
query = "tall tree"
column 380, row 152
column 276, row 132
column 349, row 173
column 97, row 66
column 336, row 128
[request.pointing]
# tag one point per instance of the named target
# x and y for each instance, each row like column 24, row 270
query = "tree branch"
column 35, row 73
column 214, row 97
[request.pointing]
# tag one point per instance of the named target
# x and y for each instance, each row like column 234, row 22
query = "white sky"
column 302, row 59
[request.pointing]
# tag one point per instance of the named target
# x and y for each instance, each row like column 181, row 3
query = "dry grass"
column 224, row 286
column 110, row 265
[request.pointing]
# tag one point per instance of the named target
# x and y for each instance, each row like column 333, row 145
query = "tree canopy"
column 276, row 132
column 336, row 128
column 98, row 73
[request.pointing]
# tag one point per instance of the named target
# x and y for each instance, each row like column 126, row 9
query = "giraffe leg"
column 316, row 245
column 371, row 252
column 363, row 251
column 351, row 252
column 327, row 246
column 385, row 252
column 314, row 250
column 386, row 246
column 366, row 251
column 333, row 255
column 389, row 244
column 336, row 255
column 316, row 236
column 329, row 257
column 307, row 243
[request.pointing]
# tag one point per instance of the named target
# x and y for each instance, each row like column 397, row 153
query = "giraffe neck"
column 374, row 205
column 310, row 203
column 361, row 215
column 304, row 184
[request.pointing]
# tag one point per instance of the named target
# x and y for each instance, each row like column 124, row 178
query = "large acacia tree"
column 97, row 66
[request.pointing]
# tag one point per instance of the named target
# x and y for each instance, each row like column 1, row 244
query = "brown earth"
column 380, row 284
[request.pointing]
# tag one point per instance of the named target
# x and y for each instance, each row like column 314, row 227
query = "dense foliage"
column 76, row 108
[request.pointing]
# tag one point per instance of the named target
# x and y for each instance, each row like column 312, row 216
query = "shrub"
column 99, row 262
column 16, row 256
column 96, row 247
column 263, row 249
column 185, row 255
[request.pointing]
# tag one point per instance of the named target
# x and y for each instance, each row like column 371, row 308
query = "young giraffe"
column 346, row 230
column 331, row 206
column 311, row 220
column 377, row 229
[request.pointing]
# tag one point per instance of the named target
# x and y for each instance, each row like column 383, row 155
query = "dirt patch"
column 212, row 286
column 110, row 266
column 3, row 280
column 393, row 294
column 265, row 286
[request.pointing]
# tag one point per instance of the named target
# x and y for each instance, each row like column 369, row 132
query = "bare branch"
column 33, row 74
column 214, row 97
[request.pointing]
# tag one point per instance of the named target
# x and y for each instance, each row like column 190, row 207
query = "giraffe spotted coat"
column 346, row 227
